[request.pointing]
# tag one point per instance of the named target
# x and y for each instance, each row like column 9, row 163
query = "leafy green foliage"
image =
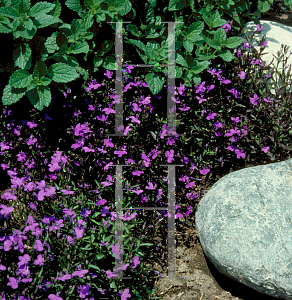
column 33, row 51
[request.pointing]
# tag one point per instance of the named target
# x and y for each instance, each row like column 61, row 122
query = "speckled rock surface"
column 244, row 223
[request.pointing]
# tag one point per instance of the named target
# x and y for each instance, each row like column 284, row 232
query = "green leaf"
column 22, row 56
column 176, row 4
column 180, row 60
column 28, row 24
column 226, row 55
column 97, row 61
column 134, row 30
column 40, row 97
column 96, row 214
column 55, row 41
column 24, row 6
column 10, row 12
column 5, row 28
column 195, row 29
column 20, row 79
column 40, row 9
column 109, row 63
column 234, row 42
column 61, row 72
column 199, row 67
column 178, row 72
column 100, row 15
column 196, row 80
column 25, row 33
column 220, row 35
column 97, row 223
column 137, row 43
column 154, row 82
column 56, row 11
column 124, row 7
column 12, row 95
column 151, row 51
column 113, row 285
column 45, row 21
column 99, row 256
column 74, row 5
column 146, row 244
column 79, row 47
column 153, row 134
column 45, row 81
column 93, row 267
column 264, row 6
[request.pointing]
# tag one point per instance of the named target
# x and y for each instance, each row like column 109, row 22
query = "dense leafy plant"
column 38, row 39
column 63, row 202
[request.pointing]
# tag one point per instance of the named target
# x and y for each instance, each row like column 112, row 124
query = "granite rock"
column 244, row 223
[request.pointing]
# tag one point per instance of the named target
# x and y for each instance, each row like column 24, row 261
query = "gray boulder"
column 244, row 223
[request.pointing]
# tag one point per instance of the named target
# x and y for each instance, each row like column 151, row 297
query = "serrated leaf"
column 40, row 8
column 79, row 47
column 45, row 81
column 152, row 50
column 196, row 80
column 40, row 97
column 100, row 15
column 20, row 79
column 56, row 11
column 226, row 55
column 109, row 63
column 61, row 72
column 89, row 4
column 86, row 22
column 22, row 56
column 12, row 95
column 5, row 28
column 45, row 21
column 154, row 82
column 28, row 24
column 24, row 6
column 74, row 5
column 220, row 35
column 176, row 5
column 195, row 29
column 234, row 42
column 25, row 33
column 134, row 30
column 200, row 66
column 97, row 61
column 180, row 60
column 124, row 8
column 137, row 43
column 189, row 46
column 51, row 42
column 10, row 12
column 178, row 72
column 39, row 82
